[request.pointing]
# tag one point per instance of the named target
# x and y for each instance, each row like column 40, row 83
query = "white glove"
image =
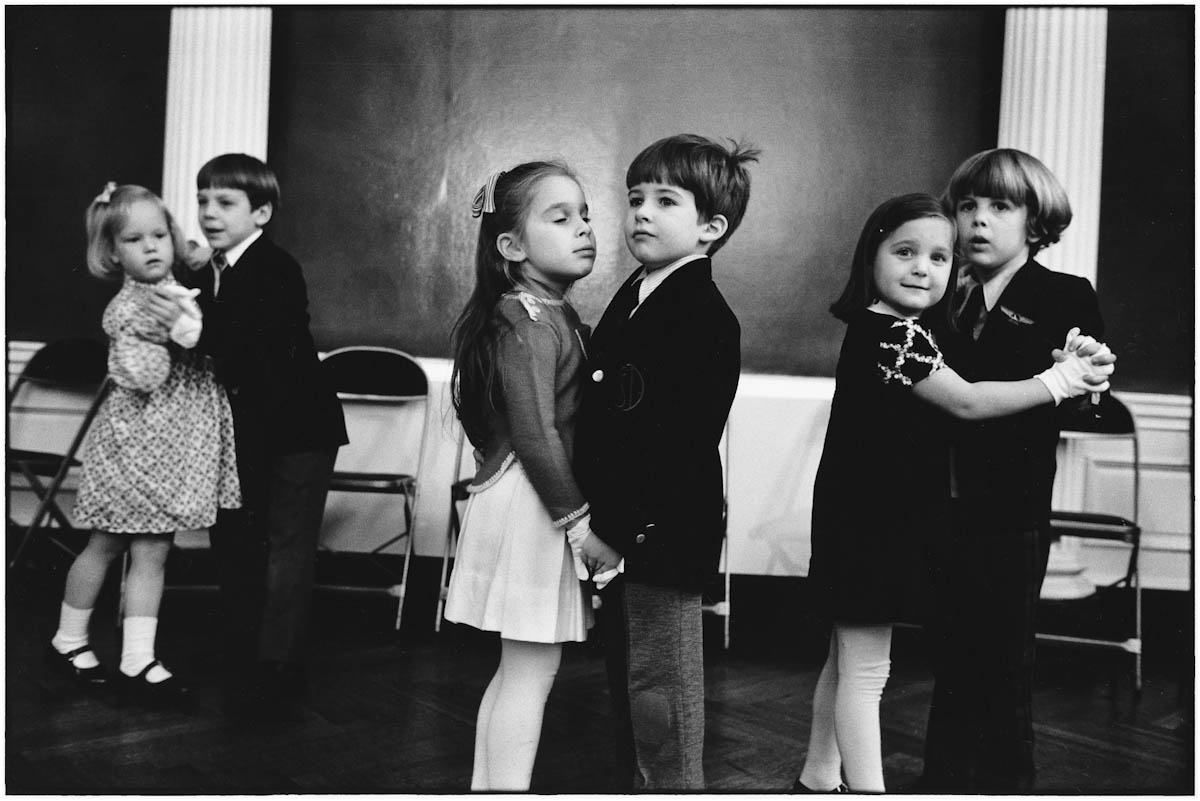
column 1065, row 379
column 186, row 330
column 575, row 538
column 602, row 579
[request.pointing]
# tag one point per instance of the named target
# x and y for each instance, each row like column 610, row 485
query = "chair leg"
column 443, row 587
column 728, row 599
column 409, row 514
column 46, row 506
column 1137, row 605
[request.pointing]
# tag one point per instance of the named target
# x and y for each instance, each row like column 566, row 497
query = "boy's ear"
column 262, row 215
column 510, row 247
column 714, row 228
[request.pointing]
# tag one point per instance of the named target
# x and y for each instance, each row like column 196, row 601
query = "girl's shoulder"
column 908, row 352
column 524, row 308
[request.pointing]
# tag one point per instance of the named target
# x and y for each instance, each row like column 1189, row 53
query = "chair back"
column 56, row 393
column 1109, row 416
column 368, row 372
column 1109, row 419
column 385, row 399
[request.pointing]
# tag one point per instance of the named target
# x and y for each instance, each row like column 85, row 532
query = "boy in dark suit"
column 663, row 370
column 288, row 425
column 1012, row 312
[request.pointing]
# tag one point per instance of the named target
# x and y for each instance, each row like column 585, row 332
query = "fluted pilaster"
column 218, row 88
column 1052, row 106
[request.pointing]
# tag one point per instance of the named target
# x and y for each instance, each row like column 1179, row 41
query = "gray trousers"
column 654, row 647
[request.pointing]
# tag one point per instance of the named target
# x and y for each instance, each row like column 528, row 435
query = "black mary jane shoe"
column 799, row 787
column 137, row 688
column 95, row 676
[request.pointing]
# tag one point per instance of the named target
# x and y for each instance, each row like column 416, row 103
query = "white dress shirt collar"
column 234, row 253
column 652, row 281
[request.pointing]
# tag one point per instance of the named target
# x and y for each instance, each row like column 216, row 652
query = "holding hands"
column 1083, row 365
column 594, row 559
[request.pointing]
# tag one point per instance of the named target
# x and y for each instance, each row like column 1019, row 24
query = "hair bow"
column 106, row 195
column 485, row 198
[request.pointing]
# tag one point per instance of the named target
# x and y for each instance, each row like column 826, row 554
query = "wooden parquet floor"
column 394, row 713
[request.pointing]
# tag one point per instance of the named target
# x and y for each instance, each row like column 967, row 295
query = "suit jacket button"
column 598, row 376
column 639, row 539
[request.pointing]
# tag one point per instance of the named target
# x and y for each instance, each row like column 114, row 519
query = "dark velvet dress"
column 882, row 489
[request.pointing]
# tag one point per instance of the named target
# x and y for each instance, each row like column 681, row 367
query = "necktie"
column 625, row 302
column 219, row 263
column 973, row 314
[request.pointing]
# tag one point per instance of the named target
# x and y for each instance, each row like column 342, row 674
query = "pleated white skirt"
column 513, row 572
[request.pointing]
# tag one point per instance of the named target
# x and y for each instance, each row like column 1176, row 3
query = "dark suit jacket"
column 658, row 389
column 257, row 332
column 1008, row 464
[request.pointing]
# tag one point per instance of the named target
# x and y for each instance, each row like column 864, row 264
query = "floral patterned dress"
column 160, row 455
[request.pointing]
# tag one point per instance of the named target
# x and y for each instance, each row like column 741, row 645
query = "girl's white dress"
column 160, row 455
column 514, row 573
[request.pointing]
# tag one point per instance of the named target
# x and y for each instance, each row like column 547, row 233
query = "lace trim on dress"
column 905, row 353
column 578, row 513
column 508, row 460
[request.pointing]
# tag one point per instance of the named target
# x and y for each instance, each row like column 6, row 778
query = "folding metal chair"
column 720, row 603
column 61, row 379
column 377, row 386
column 1110, row 420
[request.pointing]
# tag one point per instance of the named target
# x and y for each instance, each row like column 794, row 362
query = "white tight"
column 845, row 724
column 510, row 715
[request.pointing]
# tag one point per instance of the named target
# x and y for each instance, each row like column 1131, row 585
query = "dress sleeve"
column 908, row 354
column 138, row 358
column 528, row 357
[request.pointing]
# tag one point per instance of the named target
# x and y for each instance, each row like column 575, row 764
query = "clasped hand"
column 1083, row 364
column 596, row 556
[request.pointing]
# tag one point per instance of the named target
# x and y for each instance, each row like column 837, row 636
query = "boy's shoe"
column 96, row 676
column 799, row 787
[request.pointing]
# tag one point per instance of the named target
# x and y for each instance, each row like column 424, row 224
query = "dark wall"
column 1146, row 275
column 386, row 121
column 86, row 103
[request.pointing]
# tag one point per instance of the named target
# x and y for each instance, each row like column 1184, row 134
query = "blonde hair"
column 105, row 217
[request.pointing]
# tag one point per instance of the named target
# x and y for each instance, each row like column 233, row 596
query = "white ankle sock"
column 137, row 649
column 73, row 633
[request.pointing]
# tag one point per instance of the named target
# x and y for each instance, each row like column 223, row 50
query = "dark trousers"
column 654, row 650
column 986, row 583
column 265, row 557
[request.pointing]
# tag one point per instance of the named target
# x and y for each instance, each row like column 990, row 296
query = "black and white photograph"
column 609, row 399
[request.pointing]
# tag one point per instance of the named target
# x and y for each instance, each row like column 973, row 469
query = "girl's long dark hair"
column 860, row 291
column 476, row 392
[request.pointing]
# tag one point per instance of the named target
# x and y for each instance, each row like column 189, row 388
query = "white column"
column 218, row 87
column 1052, row 106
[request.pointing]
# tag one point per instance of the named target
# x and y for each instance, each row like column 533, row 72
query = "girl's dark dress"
column 882, row 488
